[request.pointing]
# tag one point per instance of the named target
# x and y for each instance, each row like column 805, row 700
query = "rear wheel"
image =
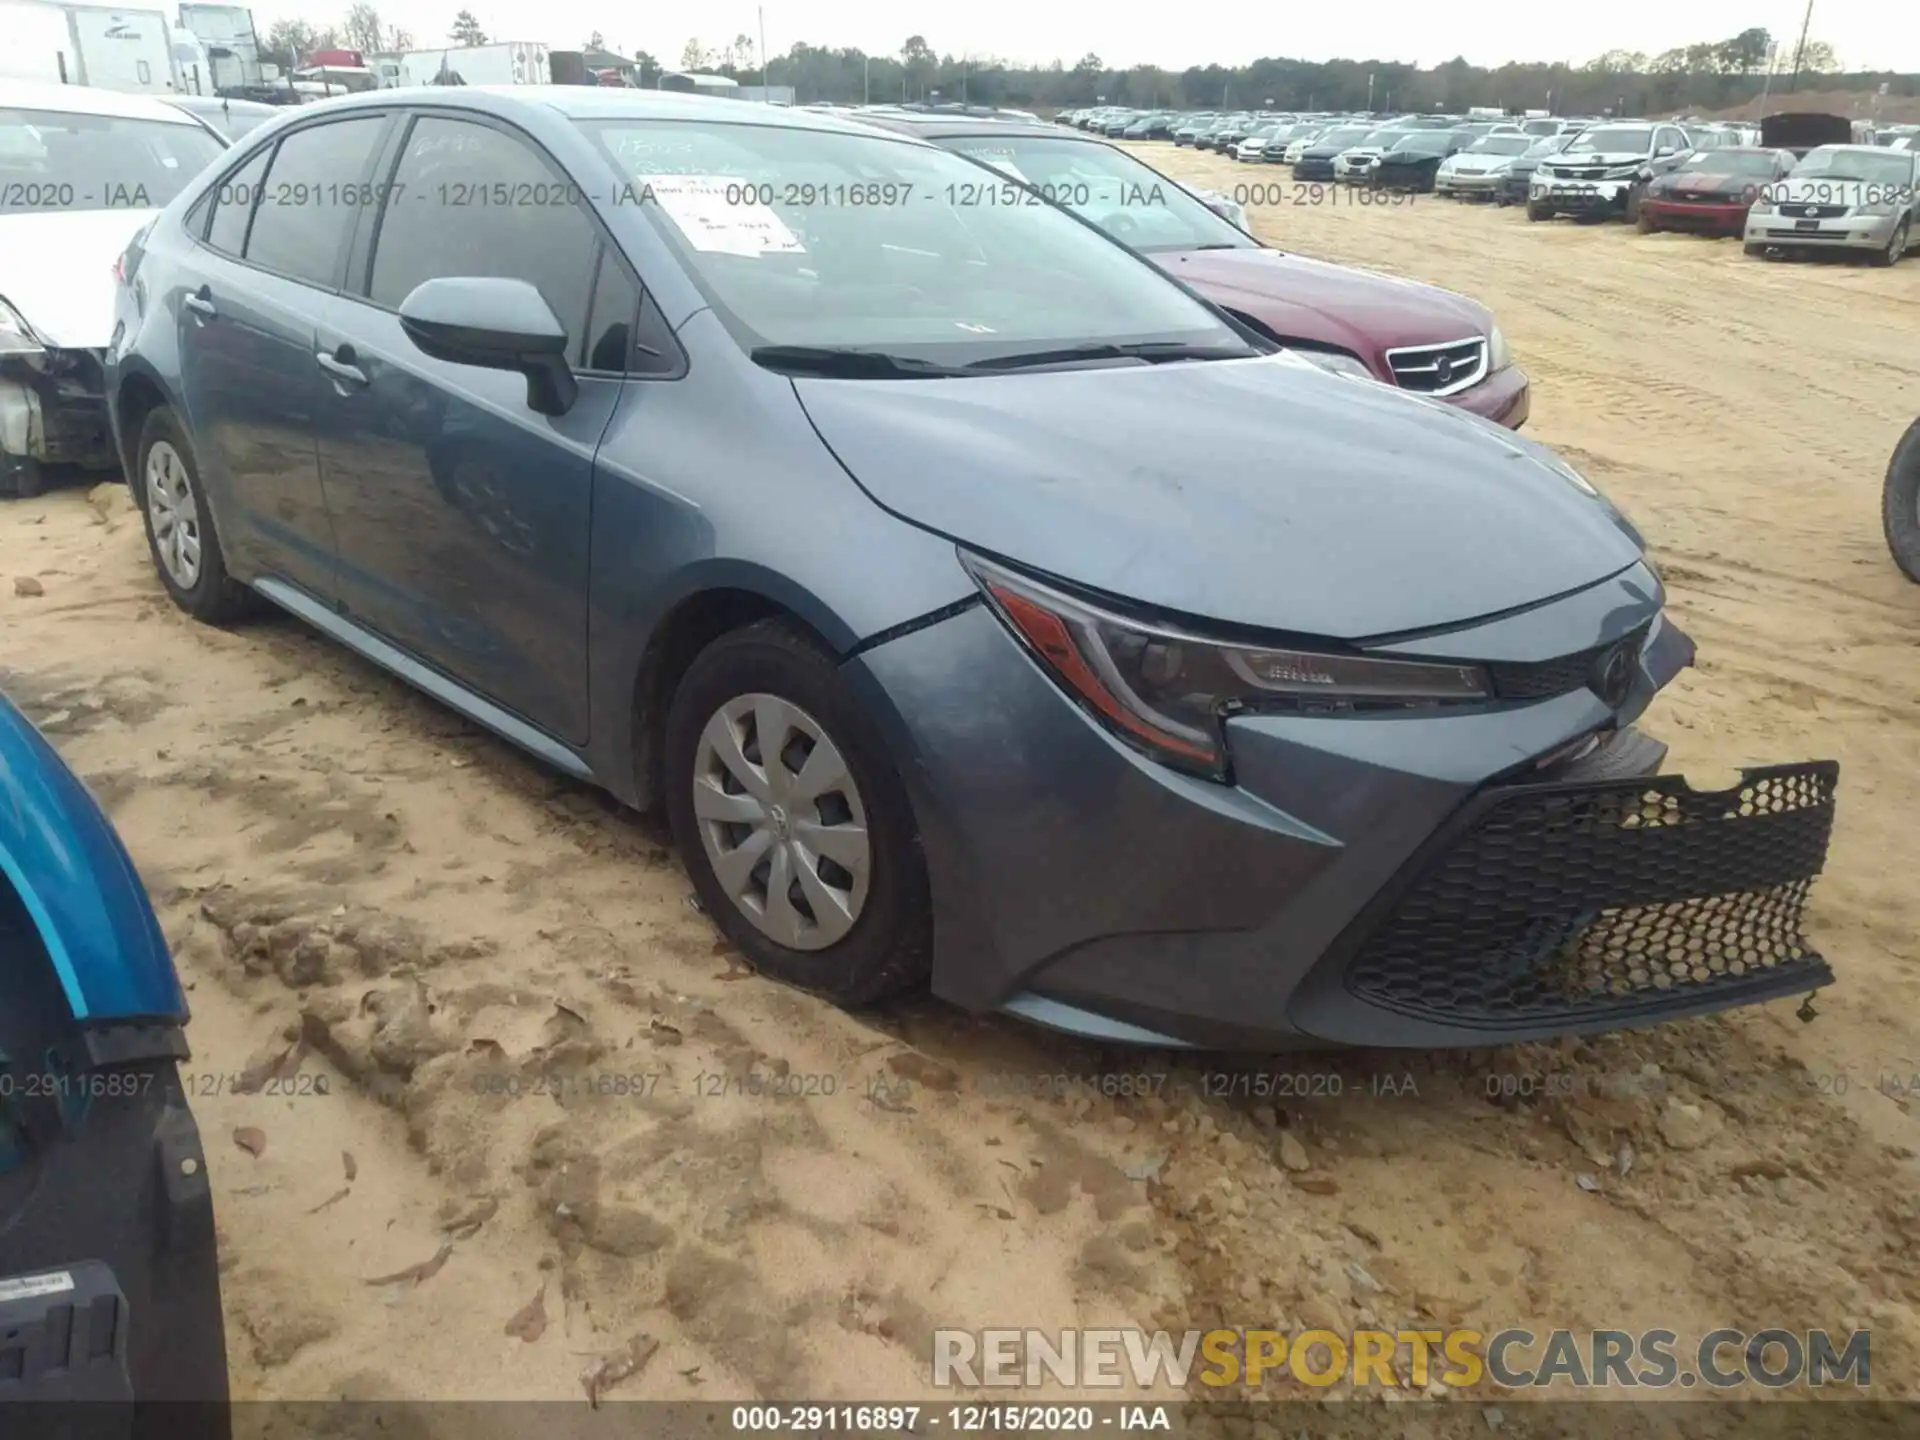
column 180, row 533
column 792, row 821
column 1900, row 503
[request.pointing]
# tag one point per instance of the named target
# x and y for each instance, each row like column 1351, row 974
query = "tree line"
column 1707, row 76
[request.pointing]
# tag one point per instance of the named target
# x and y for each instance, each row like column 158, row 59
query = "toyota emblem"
column 1613, row 676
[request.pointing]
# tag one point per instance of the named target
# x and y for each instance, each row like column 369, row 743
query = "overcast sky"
column 1882, row 34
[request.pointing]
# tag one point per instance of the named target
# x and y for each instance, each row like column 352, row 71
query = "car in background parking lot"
column 1476, row 171
column 81, row 170
column 1858, row 199
column 1710, row 192
column 1400, row 332
column 1412, row 161
column 1516, row 180
column 1593, row 177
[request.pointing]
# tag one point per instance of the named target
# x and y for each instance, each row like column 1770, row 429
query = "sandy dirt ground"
column 516, row 1105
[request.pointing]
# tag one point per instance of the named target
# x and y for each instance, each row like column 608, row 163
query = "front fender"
column 79, row 887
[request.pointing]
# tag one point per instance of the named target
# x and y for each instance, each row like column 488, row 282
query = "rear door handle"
column 341, row 370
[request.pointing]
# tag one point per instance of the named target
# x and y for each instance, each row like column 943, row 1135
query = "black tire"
column 1757, row 252
column 889, row 948
column 215, row 598
column 1896, row 247
column 1644, row 224
column 1538, row 212
column 1900, row 503
column 1631, row 209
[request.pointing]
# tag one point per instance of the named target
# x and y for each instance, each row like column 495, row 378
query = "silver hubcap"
column 173, row 515
column 782, row 821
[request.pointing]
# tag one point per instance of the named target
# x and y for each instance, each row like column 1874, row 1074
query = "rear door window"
column 305, row 211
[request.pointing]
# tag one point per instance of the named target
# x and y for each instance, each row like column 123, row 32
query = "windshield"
column 1542, row 127
column 812, row 238
column 1351, row 135
column 53, row 160
column 1500, row 145
column 1831, row 163
column 1613, row 140
column 1131, row 201
column 1730, row 162
column 1552, row 145
column 1430, row 142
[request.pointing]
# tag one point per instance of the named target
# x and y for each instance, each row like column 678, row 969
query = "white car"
column 1861, row 198
column 1478, row 170
column 1254, row 147
column 1596, row 173
column 81, row 172
column 1355, row 165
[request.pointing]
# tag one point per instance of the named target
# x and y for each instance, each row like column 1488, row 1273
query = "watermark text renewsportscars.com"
column 1513, row 1359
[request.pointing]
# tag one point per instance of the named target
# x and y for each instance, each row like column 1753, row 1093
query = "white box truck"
column 97, row 45
column 512, row 62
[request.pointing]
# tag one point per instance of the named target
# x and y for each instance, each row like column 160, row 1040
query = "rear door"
column 462, row 514
column 274, row 248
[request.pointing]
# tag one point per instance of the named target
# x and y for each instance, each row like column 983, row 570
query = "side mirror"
column 496, row 324
column 1664, row 151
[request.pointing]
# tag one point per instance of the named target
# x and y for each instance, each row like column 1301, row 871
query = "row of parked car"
column 1796, row 183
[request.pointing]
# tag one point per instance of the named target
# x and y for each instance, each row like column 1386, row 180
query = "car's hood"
column 56, row 269
column 1363, row 152
column 1477, row 164
column 1796, row 189
column 1603, row 160
column 1313, row 300
column 1692, row 182
column 1261, row 492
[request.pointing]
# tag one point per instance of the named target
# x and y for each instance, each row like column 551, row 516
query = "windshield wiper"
column 1224, row 245
column 1156, row 351
column 846, row 362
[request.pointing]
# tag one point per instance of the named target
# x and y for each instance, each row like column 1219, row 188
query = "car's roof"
column 946, row 127
column 85, row 100
column 598, row 102
column 1855, row 149
column 220, row 105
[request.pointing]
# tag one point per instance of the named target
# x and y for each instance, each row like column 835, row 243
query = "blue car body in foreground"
column 109, row 1285
column 982, row 606
column 75, row 880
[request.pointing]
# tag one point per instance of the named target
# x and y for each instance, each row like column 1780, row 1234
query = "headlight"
column 1167, row 692
column 16, row 336
column 1499, row 353
column 1623, row 172
column 1338, row 361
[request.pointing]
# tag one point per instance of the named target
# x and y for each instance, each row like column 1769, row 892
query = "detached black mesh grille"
column 1558, row 902
column 1543, row 679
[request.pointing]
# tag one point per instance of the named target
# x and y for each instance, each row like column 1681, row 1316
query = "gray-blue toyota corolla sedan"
column 984, row 609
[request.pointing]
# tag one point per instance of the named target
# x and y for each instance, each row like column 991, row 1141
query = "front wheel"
column 1896, row 246
column 792, row 821
column 1536, row 211
column 180, row 533
column 1900, row 503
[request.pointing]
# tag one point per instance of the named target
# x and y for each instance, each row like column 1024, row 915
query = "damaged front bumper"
column 53, row 411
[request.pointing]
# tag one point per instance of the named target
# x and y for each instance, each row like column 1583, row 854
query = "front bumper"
column 1504, row 397
column 1851, row 231
column 1703, row 219
column 1311, row 168
column 53, row 411
column 1078, row 882
column 109, row 1283
column 1466, row 183
column 1580, row 197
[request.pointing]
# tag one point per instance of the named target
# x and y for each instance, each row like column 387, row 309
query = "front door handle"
column 201, row 304
column 342, row 370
